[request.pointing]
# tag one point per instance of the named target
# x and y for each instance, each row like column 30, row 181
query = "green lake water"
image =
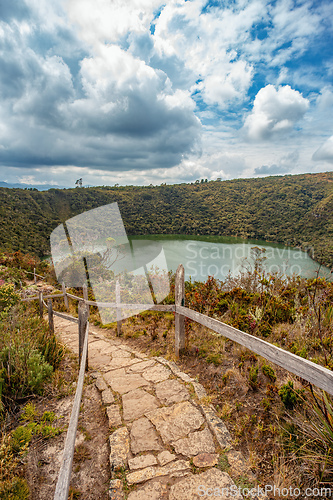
column 204, row 256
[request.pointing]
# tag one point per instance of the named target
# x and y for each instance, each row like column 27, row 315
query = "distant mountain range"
column 39, row 187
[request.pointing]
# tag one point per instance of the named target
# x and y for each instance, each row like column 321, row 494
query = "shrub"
column 265, row 329
column 312, row 435
column 48, row 416
column 28, row 354
column 23, row 370
column 253, row 376
column 38, row 371
column 8, row 298
column 14, row 489
column 29, row 412
column 21, row 438
column 14, row 447
column 269, row 372
column 289, row 396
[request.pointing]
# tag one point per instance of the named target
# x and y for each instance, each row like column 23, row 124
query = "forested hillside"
column 294, row 210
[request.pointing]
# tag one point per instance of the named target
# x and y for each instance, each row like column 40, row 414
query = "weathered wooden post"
column 50, row 314
column 40, row 298
column 83, row 320
column 35, row 279
column 85, row 296
column 179, row 319
column 63, row 286
column 118, row 310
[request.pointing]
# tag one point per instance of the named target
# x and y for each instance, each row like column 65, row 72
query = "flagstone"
column 99, row 345
column 141, row 462
column 151, row 472
column 206, row 460
column 143, row 436
column 116, row 490
column 195, row 443
column 217, row 427
column 165, row 457
column 107, row 397
column 171, row 391
column 136, row 403
column 121, row 353
column 213, row 480
column 122, row 382
column 101, row 384
column 156, row 373
column 177, row 421
column 122, row 362
column 120, row 447
column 113, row 415
column 143, row 365
column 150, row 491
column 99, row 360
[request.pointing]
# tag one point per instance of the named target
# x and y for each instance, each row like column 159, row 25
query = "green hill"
column 295, row 210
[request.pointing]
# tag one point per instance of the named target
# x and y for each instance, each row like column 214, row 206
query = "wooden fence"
column 62, row 486
column 307, row 370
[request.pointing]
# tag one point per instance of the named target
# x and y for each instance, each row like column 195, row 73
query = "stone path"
column 164, row 434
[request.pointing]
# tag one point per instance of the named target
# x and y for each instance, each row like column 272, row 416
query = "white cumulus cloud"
column 275, row 112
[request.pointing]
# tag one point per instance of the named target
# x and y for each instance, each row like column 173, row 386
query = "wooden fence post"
column 118, row 310
column 83, row 319
column 85, row 292
column 63, row 286
column 50, row 314
column 35, row 279
column 85, row 296
column 179, row 319
column 40, row 298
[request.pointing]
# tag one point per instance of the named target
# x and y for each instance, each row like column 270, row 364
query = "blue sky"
column 144, row 91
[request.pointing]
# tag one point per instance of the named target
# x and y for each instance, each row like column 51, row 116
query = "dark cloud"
column 117, row 114
column 286, row 165
column 44, row 146
column 270, row 170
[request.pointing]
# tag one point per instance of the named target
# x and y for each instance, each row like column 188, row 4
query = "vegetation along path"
column 166, row 441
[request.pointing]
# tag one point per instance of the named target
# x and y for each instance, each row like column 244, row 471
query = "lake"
column 204, row 256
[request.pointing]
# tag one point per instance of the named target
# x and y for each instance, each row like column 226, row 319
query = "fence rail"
column 307, row 370
column 313, row 373
column 62, row 487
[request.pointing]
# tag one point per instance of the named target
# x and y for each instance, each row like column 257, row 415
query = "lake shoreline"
column 232, row 252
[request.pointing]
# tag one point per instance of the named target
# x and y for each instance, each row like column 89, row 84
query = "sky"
column 137, row 92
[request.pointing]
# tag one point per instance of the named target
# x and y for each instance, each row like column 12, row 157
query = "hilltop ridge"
column 294, row 210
